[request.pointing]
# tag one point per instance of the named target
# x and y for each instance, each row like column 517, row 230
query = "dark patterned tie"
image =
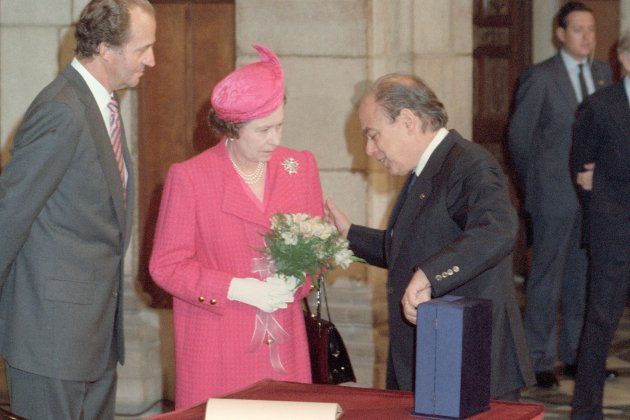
column 410, row 181
column 116, row 143
column 583, row 88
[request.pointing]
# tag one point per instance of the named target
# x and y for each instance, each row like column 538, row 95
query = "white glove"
column 261, row 294
column 290, row 281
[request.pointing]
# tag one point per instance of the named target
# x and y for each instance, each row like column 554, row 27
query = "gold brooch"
column 290, row 165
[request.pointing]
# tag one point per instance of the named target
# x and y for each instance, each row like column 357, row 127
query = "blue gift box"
column 453, row 354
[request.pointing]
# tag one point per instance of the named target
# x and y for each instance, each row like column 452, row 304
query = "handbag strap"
column 318, row 300
column 322, row 288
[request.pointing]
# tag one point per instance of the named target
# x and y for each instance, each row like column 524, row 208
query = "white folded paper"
column 227, row 409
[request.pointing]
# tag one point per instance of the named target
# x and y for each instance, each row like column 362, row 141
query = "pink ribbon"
column 267, row 330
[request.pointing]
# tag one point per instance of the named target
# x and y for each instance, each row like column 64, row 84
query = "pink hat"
column 252, row 91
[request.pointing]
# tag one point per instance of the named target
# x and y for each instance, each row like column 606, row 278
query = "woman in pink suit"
column 215, row 208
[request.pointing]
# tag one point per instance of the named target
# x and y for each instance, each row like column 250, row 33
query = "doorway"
column 195, row 48
column 502, row 49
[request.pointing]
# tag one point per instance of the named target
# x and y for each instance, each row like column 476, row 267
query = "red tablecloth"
column 357, row 403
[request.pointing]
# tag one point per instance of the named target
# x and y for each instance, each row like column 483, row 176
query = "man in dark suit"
column 451, row 232
column 601, row 159
column 539, row 140
column 66, row 210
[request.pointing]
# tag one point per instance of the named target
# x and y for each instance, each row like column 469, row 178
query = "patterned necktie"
column 116, row 143
column 583, row 88
column 410, row 181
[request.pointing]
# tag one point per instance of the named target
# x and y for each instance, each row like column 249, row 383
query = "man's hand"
column 418, row 291
column 339, row 219
column 585, row 179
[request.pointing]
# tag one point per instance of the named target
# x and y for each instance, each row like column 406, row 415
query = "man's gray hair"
column 395, row 92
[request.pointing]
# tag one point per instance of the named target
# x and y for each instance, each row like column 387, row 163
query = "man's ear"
column 409, row 119
column 104, row 50
column 560, row 34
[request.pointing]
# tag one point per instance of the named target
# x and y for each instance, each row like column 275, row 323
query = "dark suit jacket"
column 64, row 232
column 458, row 225
column 539, row 134
column 602, row 136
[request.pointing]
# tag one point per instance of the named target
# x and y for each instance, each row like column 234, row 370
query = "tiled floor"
column 557, row 402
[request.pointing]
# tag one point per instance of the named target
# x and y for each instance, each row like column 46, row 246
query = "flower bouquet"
column 299, row 245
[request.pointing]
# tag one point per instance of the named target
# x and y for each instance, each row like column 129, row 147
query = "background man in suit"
column 602, row 141
column 539, row 140
column 452, row 229
column 66, row 206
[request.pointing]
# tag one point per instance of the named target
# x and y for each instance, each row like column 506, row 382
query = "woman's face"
column 259, row 138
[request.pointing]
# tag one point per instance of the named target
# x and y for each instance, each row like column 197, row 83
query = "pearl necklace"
column 254, row 177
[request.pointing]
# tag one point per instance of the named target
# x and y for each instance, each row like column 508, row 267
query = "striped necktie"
column 116, row 143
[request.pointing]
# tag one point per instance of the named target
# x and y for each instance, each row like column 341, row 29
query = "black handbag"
column 330, row 362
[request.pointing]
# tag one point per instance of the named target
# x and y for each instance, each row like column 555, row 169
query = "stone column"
column 543, row 37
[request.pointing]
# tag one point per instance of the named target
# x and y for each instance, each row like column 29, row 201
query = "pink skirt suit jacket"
column 209, row 229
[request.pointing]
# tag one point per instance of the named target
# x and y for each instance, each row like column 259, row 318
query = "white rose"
column 289, row 238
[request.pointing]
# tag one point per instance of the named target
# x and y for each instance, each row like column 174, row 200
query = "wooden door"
column 607, row 21
column 502, row 49
column 194, row 50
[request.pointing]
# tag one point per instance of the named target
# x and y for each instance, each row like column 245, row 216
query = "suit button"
column 444, row 274
column 438, row 277
column 456, row 268
column 422, row 196
column 201, row 299
column 213, row 301
column 390, row 290
column 449, row 272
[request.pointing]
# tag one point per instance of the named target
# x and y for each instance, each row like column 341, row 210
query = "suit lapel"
column 564, row 83
column 100, row 136
column 130, row 185
column 413, row 203
column 393, row 219
column 599, row 77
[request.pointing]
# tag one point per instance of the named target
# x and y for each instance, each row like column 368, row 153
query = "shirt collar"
column 101, row 95
column 433, row 144
column 569, row 61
